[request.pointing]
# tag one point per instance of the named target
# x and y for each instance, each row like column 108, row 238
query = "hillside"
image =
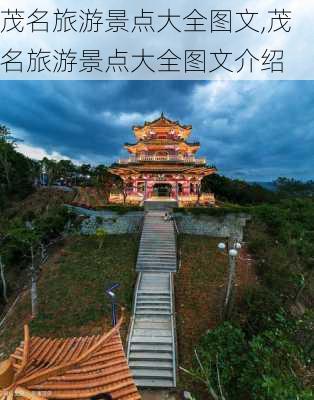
column 71, row 289
column 38, row 202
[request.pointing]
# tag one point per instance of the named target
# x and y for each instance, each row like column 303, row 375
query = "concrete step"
column 161, row 256
column 152, row 325
column 141, row 302
column 145, row 356
column 156, row 263
column 151, row 349
column 160, row 277
column 157, row 253
column 153, row 304
column 155, row 281
column 165, row 231
column 151, row 373
column 144, row 306
column 156, row 364
column 157, row 250
column 155, row 318
column 153, row 313
column 152, row 301
column 154, row 340
column 155, row 383
column 153, row 308
column 157, row 259
column 164, row 285
column 152, row 265
column 158, row 236
column 158, row 232
column 157, row 243
column 152, row 332
column 161, row 348
column 156, row 269
column 145, row 292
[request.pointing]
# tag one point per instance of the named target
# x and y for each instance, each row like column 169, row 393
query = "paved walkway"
column 152, row 344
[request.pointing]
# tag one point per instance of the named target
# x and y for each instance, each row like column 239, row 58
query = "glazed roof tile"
column 72, row 368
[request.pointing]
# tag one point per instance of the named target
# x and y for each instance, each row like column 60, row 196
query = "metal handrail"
column 174, row 332
column 176, row 226
column 131, row 325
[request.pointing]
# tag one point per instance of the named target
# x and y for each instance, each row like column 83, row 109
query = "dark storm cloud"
column 254, row 130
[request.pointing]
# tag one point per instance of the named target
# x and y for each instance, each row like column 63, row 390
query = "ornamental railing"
column 185, row 160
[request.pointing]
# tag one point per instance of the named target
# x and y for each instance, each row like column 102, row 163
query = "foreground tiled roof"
column 74, row 368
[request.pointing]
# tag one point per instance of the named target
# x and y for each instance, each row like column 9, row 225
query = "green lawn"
column 199, row 289
column 72, row 300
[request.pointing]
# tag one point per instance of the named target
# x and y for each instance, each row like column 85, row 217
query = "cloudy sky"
column 252, row 130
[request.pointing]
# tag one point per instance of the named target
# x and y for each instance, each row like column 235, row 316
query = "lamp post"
column 231, row 248
column 112, row 296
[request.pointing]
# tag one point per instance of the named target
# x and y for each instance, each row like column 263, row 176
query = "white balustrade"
column 186, row 160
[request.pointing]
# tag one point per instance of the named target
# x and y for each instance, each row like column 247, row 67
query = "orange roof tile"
column 73, row 368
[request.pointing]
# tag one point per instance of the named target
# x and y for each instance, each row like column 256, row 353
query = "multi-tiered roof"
column 162, row 146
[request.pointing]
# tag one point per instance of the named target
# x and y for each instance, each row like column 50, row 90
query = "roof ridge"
column 58, row 369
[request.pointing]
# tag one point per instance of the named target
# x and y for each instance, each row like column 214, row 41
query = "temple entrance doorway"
column 162, row 189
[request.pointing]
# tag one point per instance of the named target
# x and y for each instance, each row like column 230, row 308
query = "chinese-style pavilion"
column 163, row 164
column 74, row 368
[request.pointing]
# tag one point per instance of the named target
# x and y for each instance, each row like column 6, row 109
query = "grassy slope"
column 71, row 289
column 39, row 201
column 199, row 291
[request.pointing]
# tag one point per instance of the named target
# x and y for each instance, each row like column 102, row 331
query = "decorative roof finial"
column 162, row 115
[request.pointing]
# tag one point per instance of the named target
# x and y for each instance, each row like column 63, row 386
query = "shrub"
column 260, row 307
column 221, row 354
column 265, row 367
column 99, row 220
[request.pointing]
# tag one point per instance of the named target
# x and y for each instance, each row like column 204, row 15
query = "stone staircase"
column 157, row 250
column 160, row 205
column 152, row 344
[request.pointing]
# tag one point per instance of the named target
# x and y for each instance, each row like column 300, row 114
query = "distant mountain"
column 267, row 185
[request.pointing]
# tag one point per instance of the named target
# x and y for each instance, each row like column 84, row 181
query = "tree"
column 101, row 236
column 6, row 147
column 101, row 173
column 85, row 169
column 237, row 191
column 16, row 170
column 293, row 188
column 51, row 169
column 29, row 238
column 263, row 367
column 124, row 186
column 3, row 280
column 230, row 291
column 65, row 169
column 3, row 256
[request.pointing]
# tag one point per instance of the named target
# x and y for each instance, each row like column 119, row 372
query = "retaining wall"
column 112, row 222
column 230, row 225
